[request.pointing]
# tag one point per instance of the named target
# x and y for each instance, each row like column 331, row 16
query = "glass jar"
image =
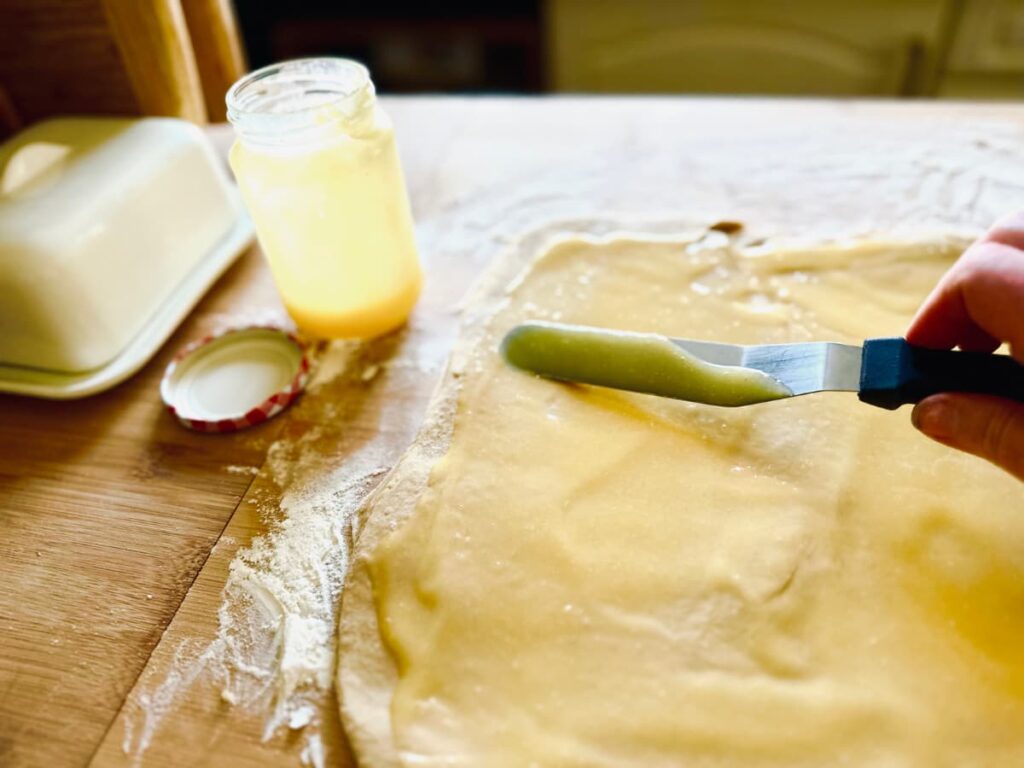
column 317, row 165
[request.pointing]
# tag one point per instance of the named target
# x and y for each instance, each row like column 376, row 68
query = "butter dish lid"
column 235, row 379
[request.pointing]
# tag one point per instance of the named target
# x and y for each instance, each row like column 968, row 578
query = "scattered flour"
column 337, row 359
column 313, row 752
column 274, row 652
column 268, row 316
column 238, row 469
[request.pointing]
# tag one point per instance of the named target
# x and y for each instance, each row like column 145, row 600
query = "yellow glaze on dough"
column 598, row 578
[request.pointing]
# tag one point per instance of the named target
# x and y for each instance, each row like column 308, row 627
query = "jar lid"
column 235, row 379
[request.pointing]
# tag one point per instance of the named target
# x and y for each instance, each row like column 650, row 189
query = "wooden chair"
column 116, row 57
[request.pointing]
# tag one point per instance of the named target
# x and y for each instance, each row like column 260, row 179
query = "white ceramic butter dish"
column 110, row 231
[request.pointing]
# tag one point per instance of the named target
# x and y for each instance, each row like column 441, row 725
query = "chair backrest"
column 120, row 57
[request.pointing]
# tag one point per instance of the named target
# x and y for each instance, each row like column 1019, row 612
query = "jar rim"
column 287, row 95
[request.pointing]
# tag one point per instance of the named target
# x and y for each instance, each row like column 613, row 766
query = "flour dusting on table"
column 274, row 652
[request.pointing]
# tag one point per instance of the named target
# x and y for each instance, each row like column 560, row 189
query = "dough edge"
column 366, row 674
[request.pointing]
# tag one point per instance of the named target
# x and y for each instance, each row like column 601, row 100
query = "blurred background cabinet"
column 860, row 47
column 965, row 48
column 986, row 56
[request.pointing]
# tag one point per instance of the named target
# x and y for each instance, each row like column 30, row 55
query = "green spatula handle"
column 894, row 372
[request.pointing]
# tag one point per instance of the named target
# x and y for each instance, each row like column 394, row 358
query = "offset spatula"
column 883, row 372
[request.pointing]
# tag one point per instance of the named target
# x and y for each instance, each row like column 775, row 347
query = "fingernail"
column 935, row 417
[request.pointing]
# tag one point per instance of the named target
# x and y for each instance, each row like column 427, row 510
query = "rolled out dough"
column 573, row 576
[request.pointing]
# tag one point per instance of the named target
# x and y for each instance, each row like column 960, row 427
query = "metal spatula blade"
column 883, row 372
column 804, row 367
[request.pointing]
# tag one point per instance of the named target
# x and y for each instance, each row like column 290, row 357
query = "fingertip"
column 936, row 416
column 941, row 320
column 1008, row 230
column 976, row 304
column 987, row 426
column 930, row 329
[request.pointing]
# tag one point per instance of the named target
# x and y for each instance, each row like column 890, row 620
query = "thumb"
column 990, row 427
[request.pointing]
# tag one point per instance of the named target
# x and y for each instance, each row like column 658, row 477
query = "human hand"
column 978, row 305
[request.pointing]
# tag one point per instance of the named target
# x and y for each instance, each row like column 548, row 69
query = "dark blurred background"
column 178, row 57
column 455, row 46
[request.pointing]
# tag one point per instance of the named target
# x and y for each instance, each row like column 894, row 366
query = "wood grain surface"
column 110, row 514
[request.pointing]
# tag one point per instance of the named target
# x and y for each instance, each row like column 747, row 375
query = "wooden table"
column 109, row 511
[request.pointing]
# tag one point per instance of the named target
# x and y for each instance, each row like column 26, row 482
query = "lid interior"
column 233, row 374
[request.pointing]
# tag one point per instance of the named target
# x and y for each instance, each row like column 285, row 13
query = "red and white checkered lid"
column 235, row 379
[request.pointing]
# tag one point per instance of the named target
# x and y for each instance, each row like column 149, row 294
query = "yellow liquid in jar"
column 334, row 222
